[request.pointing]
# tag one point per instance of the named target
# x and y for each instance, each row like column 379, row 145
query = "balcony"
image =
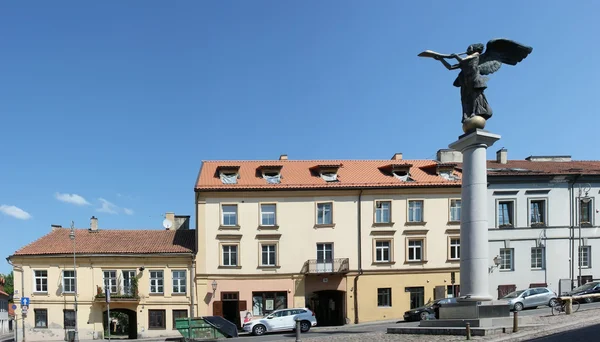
column 334, row 266
column 128, row 294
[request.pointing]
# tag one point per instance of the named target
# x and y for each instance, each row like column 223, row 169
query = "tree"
column 9, row 286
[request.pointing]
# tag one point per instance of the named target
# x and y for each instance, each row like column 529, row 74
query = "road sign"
column 24, row 310
column 14, row 307
column 24, row 301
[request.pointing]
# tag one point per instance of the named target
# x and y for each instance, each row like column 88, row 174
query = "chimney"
column 171, row 217
column 94, row 224
column 55, row 226
column 283, row 157
column 182, row 222
column 397, row 156
column 502, row 156
column 449, row 156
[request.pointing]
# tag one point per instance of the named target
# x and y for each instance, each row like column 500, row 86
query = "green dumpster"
column 204, row 328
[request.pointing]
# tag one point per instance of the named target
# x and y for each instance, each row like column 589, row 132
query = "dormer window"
column 446, row 171
column 328, row 173
column 270, row 173
column 402, row 175
column 329, row 176
column 229, row 175
column 399, row 171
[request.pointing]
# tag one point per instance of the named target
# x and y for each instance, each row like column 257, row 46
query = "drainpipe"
column 20, row 269
column 572, row 228
column 193, row 285
column 360, row 270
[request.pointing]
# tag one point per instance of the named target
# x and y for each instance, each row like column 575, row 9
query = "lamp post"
column 584, row 199
column 72, row 236
column 214, row 286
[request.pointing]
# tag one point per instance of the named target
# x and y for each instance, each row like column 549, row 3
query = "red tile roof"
column 525, row 167
column 297, row 174
column 105, row 241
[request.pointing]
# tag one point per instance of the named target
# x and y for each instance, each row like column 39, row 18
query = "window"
column 415, row 250
column 41, row 281
column 454, row 249
column 178, row 314
column 537, row 213
column 455, row 206
column 382, row 251
column 41, row 318
column 384, row 297
column 268, row 255
column 229, row 214
column 179, row 282
column 68, row 281
column 586, row 212
column 230, row 255
column 324, row 213
column 383, row 211
column 156, row 282
column 267, row 214
column 585, row 256
column 110, row 280
column 537, row 258
column 417, row 296
column 329, row 176
column 128, row 282
column 272, row 176
column 263, row 303
column 415, row 211
column 69, row 319
column 506, row 216
column 324, row 257
column 156, row 319
column 229, row 177
column 506, row 259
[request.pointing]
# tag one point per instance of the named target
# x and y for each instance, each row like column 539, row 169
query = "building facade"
column 147, row 272
column 4, row 309
column 355, row 241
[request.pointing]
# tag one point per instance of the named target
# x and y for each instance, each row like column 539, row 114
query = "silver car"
column 531, row 298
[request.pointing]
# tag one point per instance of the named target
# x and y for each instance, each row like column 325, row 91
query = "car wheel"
column 423, row 315
column 553, row 302
column 259, row 330
column 588, row 300
column 304, row 326
column 518, row 306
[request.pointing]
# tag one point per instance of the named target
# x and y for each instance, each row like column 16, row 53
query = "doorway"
column 417, row 296
column 123, row 324
column 231, row 307
column 329, row 307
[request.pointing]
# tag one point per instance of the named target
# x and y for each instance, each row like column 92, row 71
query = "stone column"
column 474, row 245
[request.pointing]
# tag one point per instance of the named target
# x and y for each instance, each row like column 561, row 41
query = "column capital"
column 479, row 137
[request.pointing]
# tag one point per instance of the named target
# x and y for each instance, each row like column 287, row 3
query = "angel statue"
column 475, row 63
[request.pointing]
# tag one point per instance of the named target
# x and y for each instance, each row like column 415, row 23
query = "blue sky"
column 108, row 108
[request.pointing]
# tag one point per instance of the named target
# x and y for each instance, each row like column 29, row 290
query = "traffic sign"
column 14, row 307
column 24, row 301
column 24, row 310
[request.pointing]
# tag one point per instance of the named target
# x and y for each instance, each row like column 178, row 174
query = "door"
column 439, row 292
column 528, row 299
column 218, row 308
column 277, row 322
column 324, row 257
column 287, row 319
column 503, row 290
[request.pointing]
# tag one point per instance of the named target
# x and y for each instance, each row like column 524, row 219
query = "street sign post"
column 24, row 301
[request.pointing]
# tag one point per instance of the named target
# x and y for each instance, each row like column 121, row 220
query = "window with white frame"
column 230, row 253
column 415, row 211
column 455, row 206
column 156, row 281
column 110, row 280
column 267, row 214
column 68, row 281
column 415, row 250
column 229, row 212
column 324, row 213
column 506, row 214
column 179, row 281
column 384, row 297
column 506, row 259
column 229, row 176
column 537, row 258
column 585, row 256
column 128, row 281
column 454, row 248
column 537, row 212
column 269, row 255
column 41, row 281
column 586, row 212
column 383, row 211
column 383, row 251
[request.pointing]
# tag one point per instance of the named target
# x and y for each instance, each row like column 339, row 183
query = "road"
column 382, row 327
column 578, row 335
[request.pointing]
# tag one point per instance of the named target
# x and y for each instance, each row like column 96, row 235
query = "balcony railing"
column 127, row 294
column 315, row 266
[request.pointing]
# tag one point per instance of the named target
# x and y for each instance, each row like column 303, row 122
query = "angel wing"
column 498, row 51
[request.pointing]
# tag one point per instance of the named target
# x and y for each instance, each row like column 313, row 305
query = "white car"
column 284, row 319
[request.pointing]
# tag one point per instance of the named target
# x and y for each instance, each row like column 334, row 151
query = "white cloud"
column 15, row 212
column 71, row 198
column 128, row 211
column 107, row 207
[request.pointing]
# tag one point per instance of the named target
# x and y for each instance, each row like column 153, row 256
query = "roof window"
column 270, row 173
column 328, row 173
column 400, row 171
column 228, row 174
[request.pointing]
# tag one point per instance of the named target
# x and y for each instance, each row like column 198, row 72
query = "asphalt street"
column 586, row 334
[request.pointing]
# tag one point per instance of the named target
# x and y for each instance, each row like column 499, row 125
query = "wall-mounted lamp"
column 497, row 262
column 214, row 286
column 142, row 269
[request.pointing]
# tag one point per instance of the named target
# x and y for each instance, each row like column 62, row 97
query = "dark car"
column 592, row 287
column 430, row 308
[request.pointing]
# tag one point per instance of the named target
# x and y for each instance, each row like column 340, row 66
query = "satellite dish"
column 167, row 224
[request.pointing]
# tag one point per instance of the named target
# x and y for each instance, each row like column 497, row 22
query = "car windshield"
column 514, row 294
column 585, row 287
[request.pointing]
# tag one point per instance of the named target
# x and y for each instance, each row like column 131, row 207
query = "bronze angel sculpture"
column 475, row 107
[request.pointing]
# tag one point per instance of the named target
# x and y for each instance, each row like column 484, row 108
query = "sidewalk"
column 7, row 337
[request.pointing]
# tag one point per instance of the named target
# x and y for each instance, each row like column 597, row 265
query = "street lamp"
column 72, row 237
column 584, row 199
column 214, row 286
column 497, row 262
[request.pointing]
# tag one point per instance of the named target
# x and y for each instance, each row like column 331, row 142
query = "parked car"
column 281, row 320
column 531, row 298
column 430, row 308
column 592, row 287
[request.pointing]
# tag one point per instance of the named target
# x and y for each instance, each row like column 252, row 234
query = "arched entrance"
column 123, row 324
column 329, row 307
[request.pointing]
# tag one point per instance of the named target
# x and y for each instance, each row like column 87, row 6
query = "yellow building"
column 147, row 272
column 355, row 241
